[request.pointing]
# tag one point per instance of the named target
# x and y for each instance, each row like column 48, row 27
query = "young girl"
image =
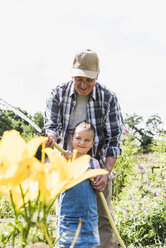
column 79, row 202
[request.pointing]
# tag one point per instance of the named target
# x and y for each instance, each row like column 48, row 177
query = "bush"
column 141, row 221
column 5, row 208
column 159, row 145
column 140, row 211
column 125, row 164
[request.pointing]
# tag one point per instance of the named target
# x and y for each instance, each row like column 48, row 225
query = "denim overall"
column 77, row 203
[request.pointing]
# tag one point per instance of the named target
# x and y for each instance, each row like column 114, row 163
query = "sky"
column 39, row 39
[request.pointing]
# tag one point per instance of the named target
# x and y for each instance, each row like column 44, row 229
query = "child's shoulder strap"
column 91, row 164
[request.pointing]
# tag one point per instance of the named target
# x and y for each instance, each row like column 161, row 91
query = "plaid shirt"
column 103, row 111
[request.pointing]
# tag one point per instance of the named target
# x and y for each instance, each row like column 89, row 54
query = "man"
column 83, row 98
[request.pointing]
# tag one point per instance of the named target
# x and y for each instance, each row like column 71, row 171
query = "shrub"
column 125, row 164
column 140, row 210
column 5, row 207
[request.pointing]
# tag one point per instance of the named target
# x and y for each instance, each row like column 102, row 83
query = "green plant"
column 141, row 221
column 140, row 209
column 6, row 210
column 125, row 164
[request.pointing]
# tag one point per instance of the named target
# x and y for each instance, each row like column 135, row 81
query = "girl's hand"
column 67, row 154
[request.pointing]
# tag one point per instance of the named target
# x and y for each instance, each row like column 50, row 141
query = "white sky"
column 39, row 39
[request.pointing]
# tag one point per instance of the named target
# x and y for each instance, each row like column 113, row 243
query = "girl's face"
column 82, row 141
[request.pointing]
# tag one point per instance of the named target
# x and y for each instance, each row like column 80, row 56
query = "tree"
column 9, row 120
column 144, row 132
column 5, row 122
column 38, row 119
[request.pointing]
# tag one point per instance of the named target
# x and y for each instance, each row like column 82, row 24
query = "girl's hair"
column 85, row 125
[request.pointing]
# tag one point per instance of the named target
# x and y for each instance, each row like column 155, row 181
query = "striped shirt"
column 103, row 111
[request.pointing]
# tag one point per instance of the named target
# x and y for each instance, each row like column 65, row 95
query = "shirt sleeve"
column 96, row 163
column 52, row 115
column 113, row 128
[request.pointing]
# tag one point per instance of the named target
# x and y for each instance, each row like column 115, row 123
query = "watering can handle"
column 59, row 148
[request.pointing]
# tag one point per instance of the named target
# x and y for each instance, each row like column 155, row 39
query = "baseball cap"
column 86, row 64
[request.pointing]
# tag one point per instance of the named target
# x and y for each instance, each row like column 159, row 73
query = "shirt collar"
column 93, row 93
column 72, row 89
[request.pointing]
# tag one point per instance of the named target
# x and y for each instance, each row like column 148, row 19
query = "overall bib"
column 78, row 203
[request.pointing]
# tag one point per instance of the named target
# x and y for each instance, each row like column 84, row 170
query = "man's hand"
column 99, row 182
column 52, row 139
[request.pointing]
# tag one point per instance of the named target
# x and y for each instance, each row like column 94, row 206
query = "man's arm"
column 52, row 118
column 100, row 181
column 113, row 138
column 109, row 163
